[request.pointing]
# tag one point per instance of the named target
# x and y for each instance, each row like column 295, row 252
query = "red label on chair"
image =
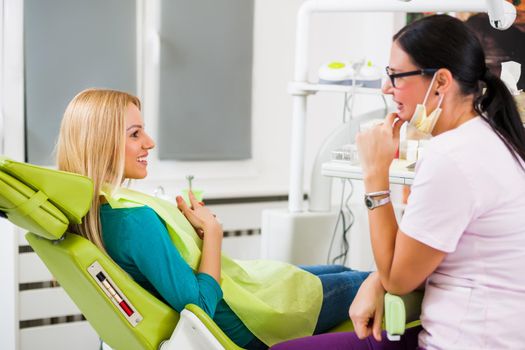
column 126, row 308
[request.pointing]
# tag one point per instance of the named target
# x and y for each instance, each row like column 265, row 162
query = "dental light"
column 501, row 13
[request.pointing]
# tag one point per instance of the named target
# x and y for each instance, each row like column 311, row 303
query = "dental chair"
column 123, row 314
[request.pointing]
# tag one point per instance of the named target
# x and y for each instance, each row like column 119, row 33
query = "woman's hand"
column 377, row 147
column 199, row 216
column 209, row 230
column 366, row 310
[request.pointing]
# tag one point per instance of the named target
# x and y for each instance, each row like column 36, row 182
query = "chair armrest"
column 401, row 312
column 222, row 338
column 197, row 331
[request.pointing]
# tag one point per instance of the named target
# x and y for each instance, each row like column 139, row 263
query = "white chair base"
column 191, row 334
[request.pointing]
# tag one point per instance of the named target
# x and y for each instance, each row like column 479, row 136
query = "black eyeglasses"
column 393, row 76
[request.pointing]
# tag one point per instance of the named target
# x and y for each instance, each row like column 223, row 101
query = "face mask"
column 420, row 120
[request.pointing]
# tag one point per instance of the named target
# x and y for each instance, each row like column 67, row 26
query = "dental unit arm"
column 502, row 14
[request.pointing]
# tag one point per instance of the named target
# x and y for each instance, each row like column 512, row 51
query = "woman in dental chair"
column 178, row 257
column 463, row 230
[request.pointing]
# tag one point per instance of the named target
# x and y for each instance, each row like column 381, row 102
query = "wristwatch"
column 372, row 202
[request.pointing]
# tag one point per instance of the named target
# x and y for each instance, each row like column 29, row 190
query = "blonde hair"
column 92, row 143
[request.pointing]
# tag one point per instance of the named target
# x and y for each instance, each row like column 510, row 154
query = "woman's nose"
column 149, row 144
column 387, row 87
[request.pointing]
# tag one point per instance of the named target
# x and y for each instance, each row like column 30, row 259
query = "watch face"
column 368, row 202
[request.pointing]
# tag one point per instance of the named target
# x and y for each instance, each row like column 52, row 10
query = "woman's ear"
column 443, row 81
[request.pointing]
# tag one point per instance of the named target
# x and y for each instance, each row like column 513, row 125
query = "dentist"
column 463, row 231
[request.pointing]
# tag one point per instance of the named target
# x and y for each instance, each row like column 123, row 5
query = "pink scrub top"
column 468, row 200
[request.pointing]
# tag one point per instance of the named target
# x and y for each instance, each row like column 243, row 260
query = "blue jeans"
column 340, row 285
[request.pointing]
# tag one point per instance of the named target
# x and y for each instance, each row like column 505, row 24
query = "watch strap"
column 378, row 193
column 372, row 203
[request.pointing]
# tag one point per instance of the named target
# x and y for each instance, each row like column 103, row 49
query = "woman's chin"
column 404, row 115
column 137, row 176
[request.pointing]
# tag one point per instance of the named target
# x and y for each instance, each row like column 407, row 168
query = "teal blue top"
column 138, row 241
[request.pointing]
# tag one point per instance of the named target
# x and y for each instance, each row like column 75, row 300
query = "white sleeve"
column 441, row 203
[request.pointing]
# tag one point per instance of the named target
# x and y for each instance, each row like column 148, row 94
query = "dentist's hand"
column 377, row 146
column 199, row 216
column 366, row 310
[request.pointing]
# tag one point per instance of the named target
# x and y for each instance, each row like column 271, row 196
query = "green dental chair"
column 124, row 315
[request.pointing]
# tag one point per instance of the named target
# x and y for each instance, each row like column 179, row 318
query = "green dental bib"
column 276, row 301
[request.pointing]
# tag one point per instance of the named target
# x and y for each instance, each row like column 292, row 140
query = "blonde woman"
column 102, row 136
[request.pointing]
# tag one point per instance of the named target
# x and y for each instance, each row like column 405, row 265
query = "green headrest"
column 42, row 200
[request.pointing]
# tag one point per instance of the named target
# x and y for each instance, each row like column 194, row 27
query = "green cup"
column 196, row 192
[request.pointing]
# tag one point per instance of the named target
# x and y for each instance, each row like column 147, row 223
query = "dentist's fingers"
column 361, row 328
column 391, row 119
column 378, row 319
column 396, row 128
column 394, row 123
